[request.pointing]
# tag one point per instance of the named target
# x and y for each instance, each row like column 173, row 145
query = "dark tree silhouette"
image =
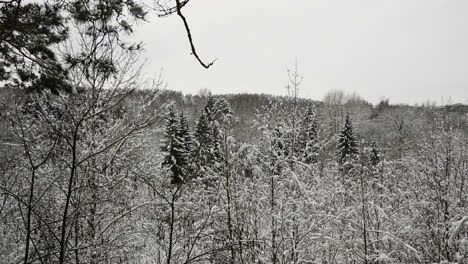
column 174, row 146
column 347, row 146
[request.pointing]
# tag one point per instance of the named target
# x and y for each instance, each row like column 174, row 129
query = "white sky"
column 409, row 51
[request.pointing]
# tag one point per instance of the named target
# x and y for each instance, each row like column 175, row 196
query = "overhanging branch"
column 179, row 6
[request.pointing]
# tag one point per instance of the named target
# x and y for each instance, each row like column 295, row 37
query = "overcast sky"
column 409, row 51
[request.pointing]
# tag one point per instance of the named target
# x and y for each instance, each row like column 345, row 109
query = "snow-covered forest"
column 158, row 177
column 102, row 165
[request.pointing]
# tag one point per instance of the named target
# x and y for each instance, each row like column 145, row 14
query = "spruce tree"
column 374, row 156
column 208, row 136
column 173, row 146
column 184, row 135
column 308, row 136
column 279, row 149
column 221, row 125
column 204, row 142
column 210, row 109
column 347, row 146
column 223, row 111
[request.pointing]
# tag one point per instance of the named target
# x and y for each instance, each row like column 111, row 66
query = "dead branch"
column 179, row 6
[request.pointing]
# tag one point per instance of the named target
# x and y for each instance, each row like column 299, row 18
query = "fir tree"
column 208, row 136
column 184, row 134
column 279, row 147
column 279, row 150
column 223, row 111
column 308, row 136
column 203, row 152
column 347, row 146
column 374, row 155
column 210, row 109
column 174, row 147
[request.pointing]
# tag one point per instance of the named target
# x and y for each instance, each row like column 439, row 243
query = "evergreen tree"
column 374, row 155
column 208, row 136
column 184, row 134
column 308, row 136
column 347, row 146
column 210, row 109
column 204, row 144
column 223, row 111
column 221, row 126
column 29, row 33
column 175, row 149
column 279, row 149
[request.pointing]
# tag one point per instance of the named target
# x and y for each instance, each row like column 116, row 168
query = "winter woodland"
column 102, row 165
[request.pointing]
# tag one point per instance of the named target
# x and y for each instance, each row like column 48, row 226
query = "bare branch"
column 189, row 34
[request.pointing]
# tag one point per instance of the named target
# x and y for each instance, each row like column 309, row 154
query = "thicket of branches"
column 116, row 177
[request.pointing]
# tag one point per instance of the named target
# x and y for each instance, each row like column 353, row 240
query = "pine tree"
column 31, row 30
column 174, row 147
column 28, row 32
column 347, row 146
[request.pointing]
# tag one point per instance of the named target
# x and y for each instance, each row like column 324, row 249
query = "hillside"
column 148, row 171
